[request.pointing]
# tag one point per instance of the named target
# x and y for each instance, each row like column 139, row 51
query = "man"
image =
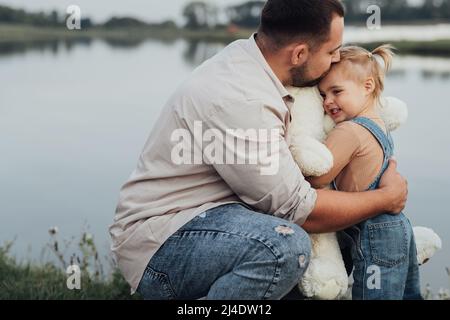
column 230, row 230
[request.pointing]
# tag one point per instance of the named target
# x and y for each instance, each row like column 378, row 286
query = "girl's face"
column 344, row 98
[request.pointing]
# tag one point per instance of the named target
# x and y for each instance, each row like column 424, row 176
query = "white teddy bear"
column 326, row 276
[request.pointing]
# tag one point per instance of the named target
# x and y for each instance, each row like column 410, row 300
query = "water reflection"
column 135, row 42
column 426, row 74
column 397, row 73
column 11, row 48
column 53, row 46
column 195, row 52
column 198, row 51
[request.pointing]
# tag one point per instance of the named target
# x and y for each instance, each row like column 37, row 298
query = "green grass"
column 28, row 281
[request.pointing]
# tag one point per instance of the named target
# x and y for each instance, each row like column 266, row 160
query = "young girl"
column 382, row 249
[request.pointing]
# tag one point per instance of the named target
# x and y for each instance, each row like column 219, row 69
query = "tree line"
column 41, row 19
column 205, row 14
column 202, row 14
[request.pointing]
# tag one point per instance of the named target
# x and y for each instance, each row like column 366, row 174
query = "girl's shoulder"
column 349, row 126
column 351, row 131
column 346, row 133
column 356, row 128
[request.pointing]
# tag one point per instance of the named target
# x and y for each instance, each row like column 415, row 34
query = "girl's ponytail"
column 386, row 53
column 373, row 64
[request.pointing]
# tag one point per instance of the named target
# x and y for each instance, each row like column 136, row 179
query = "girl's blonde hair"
column 373, row 64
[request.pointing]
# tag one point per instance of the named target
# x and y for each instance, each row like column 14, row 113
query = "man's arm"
column 336, row 210
column 273, row 184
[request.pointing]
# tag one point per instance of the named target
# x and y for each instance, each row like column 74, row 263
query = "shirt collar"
column 257, row 54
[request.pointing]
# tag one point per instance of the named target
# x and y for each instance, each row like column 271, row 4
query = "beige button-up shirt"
column 173, row 182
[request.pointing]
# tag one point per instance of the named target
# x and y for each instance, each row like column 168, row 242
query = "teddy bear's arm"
column 343, row 143
column 324, row 180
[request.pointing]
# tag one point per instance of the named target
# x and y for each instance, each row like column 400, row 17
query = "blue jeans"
column 228, row 252
column 384, row 256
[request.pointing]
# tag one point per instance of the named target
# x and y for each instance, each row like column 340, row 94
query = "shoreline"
column 25, row 34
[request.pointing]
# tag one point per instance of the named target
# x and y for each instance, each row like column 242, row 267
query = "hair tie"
column 370, row 55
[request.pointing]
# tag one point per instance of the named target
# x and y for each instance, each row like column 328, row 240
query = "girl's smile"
column 345, row 98
column 334, row 111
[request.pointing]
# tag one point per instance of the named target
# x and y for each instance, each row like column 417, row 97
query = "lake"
column 74, row 117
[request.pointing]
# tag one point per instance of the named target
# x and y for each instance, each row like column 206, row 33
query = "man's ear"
column 299, row 54
column 369, row 85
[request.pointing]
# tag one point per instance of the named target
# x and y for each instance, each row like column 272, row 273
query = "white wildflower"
column 53, row 231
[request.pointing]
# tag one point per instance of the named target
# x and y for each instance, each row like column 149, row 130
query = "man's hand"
column 395, row 188
column 335, row 210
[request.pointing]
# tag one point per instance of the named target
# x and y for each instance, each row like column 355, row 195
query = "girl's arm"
column 343, row 143
column 335, row 210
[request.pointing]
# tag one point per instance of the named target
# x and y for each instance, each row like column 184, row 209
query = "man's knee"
column 295, row 249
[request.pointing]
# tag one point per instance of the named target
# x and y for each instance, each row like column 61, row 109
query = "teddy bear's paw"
column 323, row 280
column 394, row 112
column 312, row 156
column 427, row 243
column 328, row 124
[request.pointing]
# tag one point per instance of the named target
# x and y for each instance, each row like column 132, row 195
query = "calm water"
column 74, row 117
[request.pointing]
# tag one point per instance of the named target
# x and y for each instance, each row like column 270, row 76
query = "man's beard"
column 300, row 77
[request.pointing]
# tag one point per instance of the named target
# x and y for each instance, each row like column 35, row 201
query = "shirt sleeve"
column 264, row 174
column 343, row 143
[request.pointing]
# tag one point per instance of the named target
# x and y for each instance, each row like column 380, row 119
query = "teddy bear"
column 326, row 277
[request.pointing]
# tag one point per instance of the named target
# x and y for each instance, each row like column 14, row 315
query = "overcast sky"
column 100, row 10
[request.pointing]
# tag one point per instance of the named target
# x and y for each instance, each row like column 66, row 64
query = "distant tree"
column 195, row 15
column 9, row 15
column 124, row 22
column 246, row 14
column 445, row 9
column 168, row 24
column 54, row 17
column 86, row 23
column 393, row 10
column 354, row 11
column 40, row 19
column 436, row 9
column 200, row 15
column 212, row 15
column 398, row 10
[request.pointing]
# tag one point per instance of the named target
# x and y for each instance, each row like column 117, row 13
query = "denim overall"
column 382, row 249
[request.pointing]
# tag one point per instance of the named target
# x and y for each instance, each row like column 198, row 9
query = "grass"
column 48, row 281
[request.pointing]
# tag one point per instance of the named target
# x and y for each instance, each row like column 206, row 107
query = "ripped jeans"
column 228, row 252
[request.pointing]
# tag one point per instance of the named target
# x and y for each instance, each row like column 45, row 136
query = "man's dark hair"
column 285, row 21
